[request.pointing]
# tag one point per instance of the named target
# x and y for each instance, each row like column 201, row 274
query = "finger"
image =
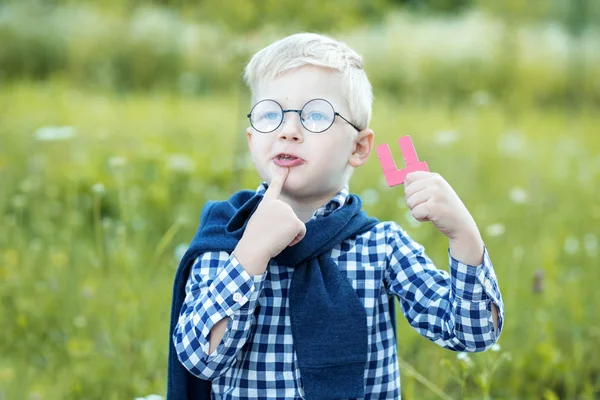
column 416, row 186
column 300, row 235
column 421, row 212
column 303, row 230
column 418, row 198
column 415, row 176
column 277, row 182
column 296, row 240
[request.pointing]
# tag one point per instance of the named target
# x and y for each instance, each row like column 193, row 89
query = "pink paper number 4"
column 395, row 176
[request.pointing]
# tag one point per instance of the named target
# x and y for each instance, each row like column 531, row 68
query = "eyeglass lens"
column 316, row 116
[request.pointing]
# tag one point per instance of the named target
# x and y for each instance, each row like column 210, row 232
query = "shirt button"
column 237, row 297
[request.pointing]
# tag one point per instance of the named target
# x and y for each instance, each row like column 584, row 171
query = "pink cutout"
column 395, row 176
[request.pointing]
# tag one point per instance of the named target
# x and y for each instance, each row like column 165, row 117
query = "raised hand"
column 274, row 224
column 430, row 198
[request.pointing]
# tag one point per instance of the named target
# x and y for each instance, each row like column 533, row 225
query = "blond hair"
column 302, row 49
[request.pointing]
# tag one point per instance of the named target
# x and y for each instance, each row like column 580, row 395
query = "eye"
column 270, row 115
column 317, row 116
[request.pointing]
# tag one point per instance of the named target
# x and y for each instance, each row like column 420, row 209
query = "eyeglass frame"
column 299, row 112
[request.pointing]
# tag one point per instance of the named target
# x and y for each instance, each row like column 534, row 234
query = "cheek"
column 334, row 157
column 259, row 148
column 339, row 150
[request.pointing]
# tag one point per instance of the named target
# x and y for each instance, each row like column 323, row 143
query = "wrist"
column 467, row 247
column 467, row 230
column 251, row 257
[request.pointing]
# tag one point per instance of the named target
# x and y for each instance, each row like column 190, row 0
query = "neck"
column 306, row 207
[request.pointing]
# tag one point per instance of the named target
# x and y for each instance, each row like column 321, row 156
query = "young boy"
column 283, row 293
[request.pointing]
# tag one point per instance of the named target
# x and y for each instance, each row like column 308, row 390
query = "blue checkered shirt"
column 256, row 357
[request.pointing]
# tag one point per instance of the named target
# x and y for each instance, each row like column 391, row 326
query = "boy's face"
column 326, row 155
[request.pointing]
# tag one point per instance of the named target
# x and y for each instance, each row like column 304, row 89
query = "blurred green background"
column 119, row 119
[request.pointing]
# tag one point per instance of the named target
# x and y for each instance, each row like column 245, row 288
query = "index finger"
column 415, row 176
column 276, row 184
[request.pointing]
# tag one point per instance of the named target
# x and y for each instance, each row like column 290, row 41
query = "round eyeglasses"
column 316, row 116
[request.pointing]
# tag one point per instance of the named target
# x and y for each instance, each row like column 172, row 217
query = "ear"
column 362, row 148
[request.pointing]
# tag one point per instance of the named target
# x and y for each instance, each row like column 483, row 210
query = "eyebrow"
column 285, row 107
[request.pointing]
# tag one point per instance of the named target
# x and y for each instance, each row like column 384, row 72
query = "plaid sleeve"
column 452, row 310
column 477, row 285
column 218, row 288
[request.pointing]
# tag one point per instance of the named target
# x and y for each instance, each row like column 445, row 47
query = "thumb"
column 299, row 236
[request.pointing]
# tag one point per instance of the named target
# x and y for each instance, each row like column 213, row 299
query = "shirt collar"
column 335, row 203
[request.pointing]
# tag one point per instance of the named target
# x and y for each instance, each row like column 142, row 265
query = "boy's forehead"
column 295, row 88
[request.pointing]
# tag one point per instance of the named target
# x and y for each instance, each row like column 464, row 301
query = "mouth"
column 287, row 160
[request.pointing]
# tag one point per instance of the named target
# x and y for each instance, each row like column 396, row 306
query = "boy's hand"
column 430, row 198
column 274, row 225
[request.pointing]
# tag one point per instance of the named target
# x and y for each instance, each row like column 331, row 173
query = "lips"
column 287, row 160
column 287, row 156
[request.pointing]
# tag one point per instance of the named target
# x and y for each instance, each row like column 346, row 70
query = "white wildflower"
column 481, row 98
column 189, row 83
column 571, row 245
column 369, row 196
column 495, row 347
column 80, row 321
column 180, row 250
column 180, row 163
column 52, row 133
column 465, row 358
column 518, row 253
column 29, row 184
column 150, row 397
column 411, row 220
column 401, row 202
column 35, row 396
column 511, row 144
column 87, row 292
column 98, row 188
column 444, row 138
column 495, row 229
column 591, row 244
column 120, row 229
column 518, row 195
column 106, row 222
column 116, row 162
column 138, row 224
column 36, row 245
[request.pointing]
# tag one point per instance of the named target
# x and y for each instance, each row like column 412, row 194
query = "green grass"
column 91, row 223
column 412, row 57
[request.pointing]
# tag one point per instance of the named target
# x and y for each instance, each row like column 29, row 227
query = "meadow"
column 101, row 190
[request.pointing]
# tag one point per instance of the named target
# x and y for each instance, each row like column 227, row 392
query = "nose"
column 291, row 127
